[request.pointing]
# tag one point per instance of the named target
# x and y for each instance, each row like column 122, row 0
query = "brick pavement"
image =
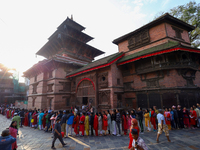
column 33, row 139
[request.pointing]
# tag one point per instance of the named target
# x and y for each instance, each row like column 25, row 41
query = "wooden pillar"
column 148, row 100
column 161, row 100
column 177, row 99
column 96, row 99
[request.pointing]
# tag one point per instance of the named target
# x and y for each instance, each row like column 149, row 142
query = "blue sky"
column 26, row 25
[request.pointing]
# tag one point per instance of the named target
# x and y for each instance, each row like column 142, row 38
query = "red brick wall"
column 123, row 46
column 157, row 32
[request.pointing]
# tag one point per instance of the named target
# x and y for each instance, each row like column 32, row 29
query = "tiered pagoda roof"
column 69, row 38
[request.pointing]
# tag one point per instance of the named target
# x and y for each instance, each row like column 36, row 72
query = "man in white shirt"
column 198, row 115
column 138, row 142
column 162, row 126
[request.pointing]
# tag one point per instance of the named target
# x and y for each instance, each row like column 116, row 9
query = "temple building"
column 155, row 66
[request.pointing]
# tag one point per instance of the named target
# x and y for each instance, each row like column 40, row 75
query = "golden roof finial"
column 71, row 17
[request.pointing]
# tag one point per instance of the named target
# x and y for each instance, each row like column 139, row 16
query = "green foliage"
column 189, row 13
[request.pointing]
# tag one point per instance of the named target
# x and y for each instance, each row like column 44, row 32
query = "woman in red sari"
column 12, row 113
column 124, row 123
column 26, row 118
column 44, row 120
column 167, row 116
column 105, row 122
column 82, row 126
column 34, row 117
column 134, row 125
column 95, row 124
column 76, row 124
column 193, row 117
column 7, row 113
column 153, row 118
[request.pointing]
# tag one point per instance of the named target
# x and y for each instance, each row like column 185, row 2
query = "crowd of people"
column 85, row 122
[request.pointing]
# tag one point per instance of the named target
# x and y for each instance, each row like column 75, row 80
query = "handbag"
column 32, row 120
column 81, row 122
column 154, row 115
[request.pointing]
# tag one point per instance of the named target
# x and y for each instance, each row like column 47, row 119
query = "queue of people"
column 111, row 122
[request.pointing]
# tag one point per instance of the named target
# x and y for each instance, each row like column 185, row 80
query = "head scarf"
column 173, row 106
column 134, row 122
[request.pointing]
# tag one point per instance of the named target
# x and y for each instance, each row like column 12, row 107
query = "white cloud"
column 164, row 3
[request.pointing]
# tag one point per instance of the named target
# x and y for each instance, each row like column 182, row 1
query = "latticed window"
column 50, row 87
column 178, row 32
column 50, row 73
column 34, row 89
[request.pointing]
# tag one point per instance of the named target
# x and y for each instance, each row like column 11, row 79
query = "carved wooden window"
column 50, row 87
column 128, row 86
column 49, row 99
column 177, row 32
column 104, row 99
column 129, row 102
column 184, row 56
column 66, row 86
column 139, row 39
column 67, row 101
column 103, row 80
column 126, row 70
column 34, row 89
column 159, row 59
column 142, row 100
column 118, row 81
column 50, row 73
column 153, row 82
column 33, row 101
column 35, row 78
column 119, row 100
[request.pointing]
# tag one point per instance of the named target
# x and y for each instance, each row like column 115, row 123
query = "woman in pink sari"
column 13, row 133
column 128, row 118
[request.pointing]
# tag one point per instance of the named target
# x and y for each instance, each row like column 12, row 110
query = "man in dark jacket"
column 21, row 114
column 180, row 117
column 140, row 118
column 175, row 117
column 92, row 122
column 63, row 122
column 57, row 133
column 118, row 119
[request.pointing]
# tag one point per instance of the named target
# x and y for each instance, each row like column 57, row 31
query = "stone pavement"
column 33, row 139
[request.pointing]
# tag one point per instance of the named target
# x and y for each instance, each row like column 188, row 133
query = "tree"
column 189, row 13
column 5, row 72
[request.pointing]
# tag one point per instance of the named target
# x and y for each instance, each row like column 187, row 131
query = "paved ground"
column 33, row 139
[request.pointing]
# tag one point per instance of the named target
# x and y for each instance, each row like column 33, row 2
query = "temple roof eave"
column 146, row 53
column 166, row 17
column 45, row 47
column 81, row 33
column 101, row 63
column 45, row 62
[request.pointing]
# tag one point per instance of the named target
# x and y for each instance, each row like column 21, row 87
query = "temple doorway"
column 85, row 93
column 85, row 101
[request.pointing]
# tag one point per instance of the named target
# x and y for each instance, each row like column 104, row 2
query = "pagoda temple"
column 66, row 50
column 155, row 66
